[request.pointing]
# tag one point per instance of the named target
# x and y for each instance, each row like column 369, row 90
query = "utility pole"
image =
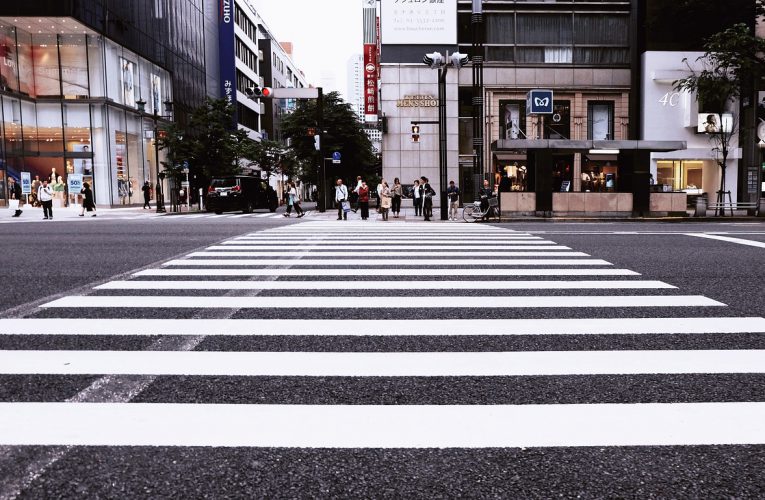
column 322, row 169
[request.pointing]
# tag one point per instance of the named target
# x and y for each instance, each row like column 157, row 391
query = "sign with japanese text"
column 419, row 22
column 26, row 183
column 227, row 54
column 370, row 81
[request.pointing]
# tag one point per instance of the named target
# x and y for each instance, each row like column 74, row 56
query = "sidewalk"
column 72, row 212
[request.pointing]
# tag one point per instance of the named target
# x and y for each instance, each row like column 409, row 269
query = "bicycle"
column 473, row 213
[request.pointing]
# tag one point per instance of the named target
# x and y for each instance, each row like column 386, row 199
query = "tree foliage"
column 341, row 133
column 732, row 60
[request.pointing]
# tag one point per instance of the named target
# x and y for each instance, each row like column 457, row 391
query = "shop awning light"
column 604, row 151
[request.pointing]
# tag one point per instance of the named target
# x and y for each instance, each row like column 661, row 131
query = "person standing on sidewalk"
column 146, row 195
column 417, row 198
column 427, row 198
column 87, row 200
column 453, row 195
column 45, row 195
column 364, row 200
column 14, row 195
column 397, row 192
column 356, row 194
column 385, row 200
column 379, row 194
column 341, row 196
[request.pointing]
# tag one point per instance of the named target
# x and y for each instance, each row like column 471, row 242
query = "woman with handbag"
column 397, row 192
column 364, row 200
column 14, row 196
column 293, row 201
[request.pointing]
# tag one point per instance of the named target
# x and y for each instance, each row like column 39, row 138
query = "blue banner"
column 227, row 55
column 539, row 102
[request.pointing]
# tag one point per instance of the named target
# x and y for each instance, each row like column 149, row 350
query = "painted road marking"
column 387, row 262
column 383, row 327
column 336, row 272
column 392, row 253
column 420, row 302
column 383, row 285
column 380, row 364
column 381, row 426
column 758, row 244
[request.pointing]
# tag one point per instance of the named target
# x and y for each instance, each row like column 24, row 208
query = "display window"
column 512, row 177
column 558, row 124
column 599, row 175
column 74, row 65
column 45, row 61
column 686, row 176
column 513, row 119
column 9, row 68
column 563, row 169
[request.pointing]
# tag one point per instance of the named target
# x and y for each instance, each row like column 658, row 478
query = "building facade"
column 86, row 88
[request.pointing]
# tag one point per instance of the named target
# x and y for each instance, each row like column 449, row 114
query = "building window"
column 684, row 176
column 512, row 115
column 558, row 125
column 600, row 121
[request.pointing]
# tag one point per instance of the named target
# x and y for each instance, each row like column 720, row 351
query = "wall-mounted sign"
column 539, row 102
column 370, row 82
column 226, row 52
column 417, row 101
column 419, row 22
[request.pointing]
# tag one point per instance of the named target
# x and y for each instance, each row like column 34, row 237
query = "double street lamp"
column 437, row 61
column 160, row 201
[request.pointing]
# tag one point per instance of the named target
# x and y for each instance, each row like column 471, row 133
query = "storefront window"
column 9, row 68
column 26, row 68
column 563, row 169
column 100, row 152
column 96, row 67
column 135, row 170
column 50, row 138
column 684, row 176
column 600, row 121
column 512, row 123
column 29, row 126
column 46, row 66
column 11, row 125
column 512, row 177
column 558, row 125
column 74, row 65
column 599, row 175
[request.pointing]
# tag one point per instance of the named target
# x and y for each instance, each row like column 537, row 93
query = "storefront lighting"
column 604, row 151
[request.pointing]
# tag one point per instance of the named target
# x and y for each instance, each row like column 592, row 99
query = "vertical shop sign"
column 227, row 57
column 370, row 81
column 26, row 183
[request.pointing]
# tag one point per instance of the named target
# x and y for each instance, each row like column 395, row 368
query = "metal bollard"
column 701, row 207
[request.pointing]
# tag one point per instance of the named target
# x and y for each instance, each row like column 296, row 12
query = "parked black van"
column 240, row 192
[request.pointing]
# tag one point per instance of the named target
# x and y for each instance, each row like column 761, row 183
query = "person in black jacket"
column 87, row 200
column 427, row 197
column 146, row 195
column 14, row 193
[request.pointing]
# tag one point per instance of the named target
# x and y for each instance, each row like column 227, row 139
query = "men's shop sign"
column 417, row 101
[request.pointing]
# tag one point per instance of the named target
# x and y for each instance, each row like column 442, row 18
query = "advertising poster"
column 127, row 79
column 26, row 183
column 512, row 114
column 418, row 22
column 74, row 183
column 9, row 75
column 156, row 94
column 370, row 81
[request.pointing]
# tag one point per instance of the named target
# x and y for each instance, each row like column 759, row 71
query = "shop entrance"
column 466, row 183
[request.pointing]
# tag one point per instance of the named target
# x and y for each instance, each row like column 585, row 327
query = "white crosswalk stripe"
column 442, row 296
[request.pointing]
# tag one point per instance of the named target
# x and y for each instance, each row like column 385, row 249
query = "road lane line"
column 336, row 272
column 384, row 285
column 387, row 262
column 419, row 302
column 381, row 426
column 758, row 244
column 381, row 364
column 383, row 327
column 312, row 245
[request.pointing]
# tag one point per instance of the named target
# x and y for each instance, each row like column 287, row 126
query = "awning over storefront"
column 580, row 146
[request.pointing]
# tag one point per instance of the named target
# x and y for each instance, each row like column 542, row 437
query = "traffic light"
column 415, row 133
column 256, row 91
column 459, row 60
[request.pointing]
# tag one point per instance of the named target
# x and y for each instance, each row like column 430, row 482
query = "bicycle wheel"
column 468, row 214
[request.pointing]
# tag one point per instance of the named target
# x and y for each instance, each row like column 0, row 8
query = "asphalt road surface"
column 255, row 356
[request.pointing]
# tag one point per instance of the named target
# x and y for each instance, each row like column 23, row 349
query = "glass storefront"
column 69, row 105
column 687, row 176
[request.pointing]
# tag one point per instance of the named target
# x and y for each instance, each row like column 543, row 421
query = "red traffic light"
column 266, row 92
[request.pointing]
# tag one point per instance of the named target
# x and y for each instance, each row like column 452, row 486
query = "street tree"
column 341, row 133
column 732, row 60
column 266, row 155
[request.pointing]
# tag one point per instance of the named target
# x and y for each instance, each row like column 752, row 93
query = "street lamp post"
column 437, row 61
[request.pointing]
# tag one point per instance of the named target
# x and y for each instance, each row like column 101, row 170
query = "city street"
column 258, row 356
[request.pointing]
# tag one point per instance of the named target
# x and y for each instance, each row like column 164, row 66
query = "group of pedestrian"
column 357, row 200
column 422, row 198
column 44, row 195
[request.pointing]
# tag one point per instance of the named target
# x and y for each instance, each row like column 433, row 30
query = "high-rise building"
column 355, row 92
column 86, row 86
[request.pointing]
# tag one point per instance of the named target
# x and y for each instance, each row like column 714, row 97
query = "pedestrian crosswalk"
column 354, row 304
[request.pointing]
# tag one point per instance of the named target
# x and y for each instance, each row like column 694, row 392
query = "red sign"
column 370, row 78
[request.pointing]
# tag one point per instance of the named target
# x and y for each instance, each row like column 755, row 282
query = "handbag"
column 13, row 204
column 346, row 206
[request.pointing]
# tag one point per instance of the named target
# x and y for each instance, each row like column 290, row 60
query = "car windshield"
column 224, row 183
